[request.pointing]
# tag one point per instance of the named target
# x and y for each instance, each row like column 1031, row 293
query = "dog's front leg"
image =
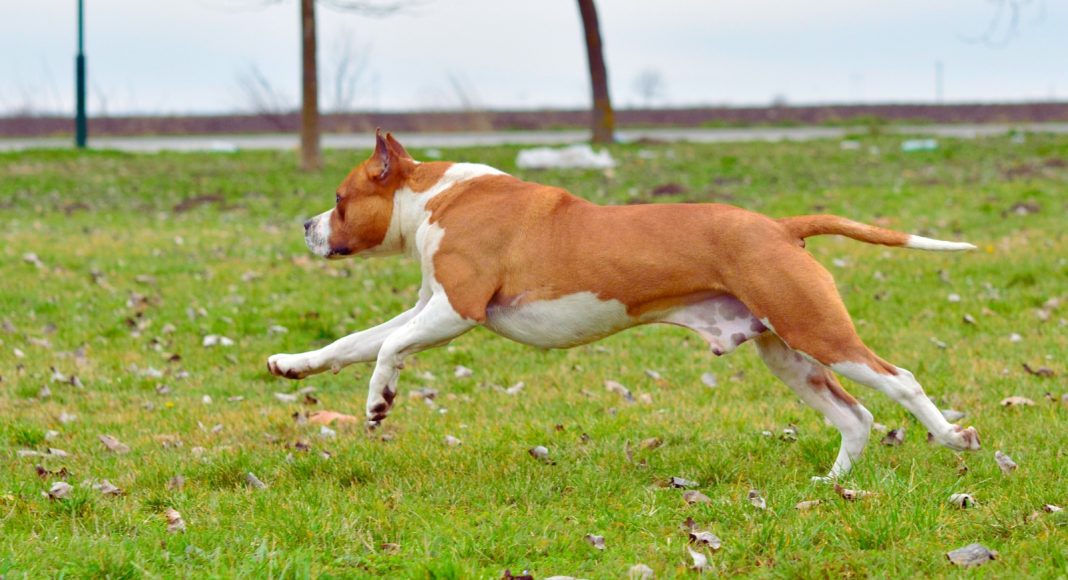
column 436, row 324
column 361, row 346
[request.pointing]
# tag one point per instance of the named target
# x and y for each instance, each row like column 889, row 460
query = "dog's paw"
column 290, row 366
column 960, row 439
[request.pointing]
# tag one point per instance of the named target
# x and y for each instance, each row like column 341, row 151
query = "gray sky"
column 170, row 56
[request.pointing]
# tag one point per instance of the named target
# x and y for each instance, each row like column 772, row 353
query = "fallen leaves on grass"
column 971, row 555
column 328, row 417
column 59, row 490
column 595, row 541
column 700, row 561
column 702, row 538
column 539, row 452
column 619, row 389
column 962, row 500
column 254, row 481
column 681, row 483
column 709, row 380
column 1044, row 372
column 789, row 434
column 105, row 487
column 175, row 523
column 453, row 441
column 463, row 372
column 176, row 483
column 43, row 473
column 640, row 572
column 953, row 415
column 757, row 500
column 895, row 437
column 216, row 340
column 693, row 496
column 804, row 506
column 1005, row 462
column 851, row 494
column 113, row 444
column 651, row 443
column 1016, row 401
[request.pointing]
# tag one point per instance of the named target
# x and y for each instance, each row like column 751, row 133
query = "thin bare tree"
column 347, row 66
column 1004, row 24
column 649, row 84
column 603, row 122
column 262, row 97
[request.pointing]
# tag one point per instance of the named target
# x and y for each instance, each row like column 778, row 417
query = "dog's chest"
column 559, row 323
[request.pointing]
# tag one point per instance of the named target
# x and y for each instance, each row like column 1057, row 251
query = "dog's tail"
column 817, row 225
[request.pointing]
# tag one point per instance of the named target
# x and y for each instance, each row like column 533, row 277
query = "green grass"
column 104, row 227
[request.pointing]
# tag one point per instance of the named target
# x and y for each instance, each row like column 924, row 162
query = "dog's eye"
column 337, row 198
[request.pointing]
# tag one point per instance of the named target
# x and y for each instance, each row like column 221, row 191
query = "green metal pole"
column 81, row 126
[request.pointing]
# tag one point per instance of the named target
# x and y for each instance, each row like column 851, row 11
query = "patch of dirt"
column 191, row 203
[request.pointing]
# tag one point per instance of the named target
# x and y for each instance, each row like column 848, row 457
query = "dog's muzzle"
column 317, row 234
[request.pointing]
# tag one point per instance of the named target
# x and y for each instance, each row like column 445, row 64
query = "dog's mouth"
column 338, row 253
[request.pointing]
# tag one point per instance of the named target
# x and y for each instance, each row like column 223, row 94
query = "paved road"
column 424, row 140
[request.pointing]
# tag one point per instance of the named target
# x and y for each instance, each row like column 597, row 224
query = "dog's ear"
column 378, row 165
column 395, row 146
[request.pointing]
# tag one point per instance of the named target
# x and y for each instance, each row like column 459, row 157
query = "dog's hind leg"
column 797, row 300
column 817, row 386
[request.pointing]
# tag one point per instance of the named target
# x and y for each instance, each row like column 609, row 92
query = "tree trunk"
column 311, row 158
column 603, row 120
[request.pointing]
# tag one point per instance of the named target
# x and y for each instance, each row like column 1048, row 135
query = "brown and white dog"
column 540, row 266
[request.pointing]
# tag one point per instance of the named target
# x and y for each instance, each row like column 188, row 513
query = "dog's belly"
column 559, row 323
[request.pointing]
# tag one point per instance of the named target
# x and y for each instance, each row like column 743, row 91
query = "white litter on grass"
column 571, row 157
column 215, row 339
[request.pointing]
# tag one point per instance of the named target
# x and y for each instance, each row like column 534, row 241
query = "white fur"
column 922, row 243
column 904, row 389
column 559, row 323
column 317, row 237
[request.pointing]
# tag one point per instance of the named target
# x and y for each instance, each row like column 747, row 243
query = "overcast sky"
column 169, row 56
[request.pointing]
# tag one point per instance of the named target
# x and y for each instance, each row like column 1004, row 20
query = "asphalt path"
column 229, row 143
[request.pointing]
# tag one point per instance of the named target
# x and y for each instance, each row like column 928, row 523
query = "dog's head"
column 359, row 222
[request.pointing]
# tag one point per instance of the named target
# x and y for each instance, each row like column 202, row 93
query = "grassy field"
column 139, row 257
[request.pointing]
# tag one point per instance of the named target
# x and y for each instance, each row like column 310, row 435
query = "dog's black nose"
column 307, row 225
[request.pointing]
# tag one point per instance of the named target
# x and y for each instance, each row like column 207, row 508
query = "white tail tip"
column 922, row 243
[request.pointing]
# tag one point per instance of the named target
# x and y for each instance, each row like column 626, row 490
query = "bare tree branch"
column 1004, row 25
column 261, row 96
column 348, row 67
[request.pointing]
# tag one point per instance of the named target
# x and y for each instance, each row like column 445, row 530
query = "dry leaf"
column 895, row 437
column 255, row 481
column 850, row 494
column 709, row 380
column 177, row 483
column 175, row 523
column 952, row 415
column 700, row 561
column 653, row 374
column 705, row 539
column 113, row 444
column 328, row 417
column 804, row 506
column 59, row 490
column 106, row 488
column 651, row 443
column 1016, row 401
column 452, row 441
column 514, row 389
column 1005, row 462
column 286, row 397
column 326, row 432
column 1050, row 508
column 681, row 483
column 640, row 572
column 969, row 319
column 757, row 500
column 962, row 500
column 694, row 496
column 463, row 372
column 425, row 393
column 1039, row 372
column 971, row 555
column 216, row 340
column 619, row 389
column 789, row 434
column 538, row 452
column 595, row 541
